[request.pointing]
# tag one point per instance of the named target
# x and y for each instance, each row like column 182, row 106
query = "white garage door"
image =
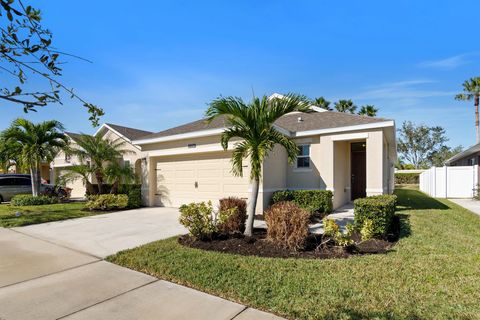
column 78, row 189
column 195, row 178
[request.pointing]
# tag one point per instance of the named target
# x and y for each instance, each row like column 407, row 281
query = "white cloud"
column 407, row 92
column 447, row 63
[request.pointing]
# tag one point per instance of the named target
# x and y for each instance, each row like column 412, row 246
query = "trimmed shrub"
column 198, row 219
column 407, row 178
column 379, row 209
column 314, row 201
column 287, row 225
column 232, row 215
column 104, row 202
column 134, row 193
column 29, row 200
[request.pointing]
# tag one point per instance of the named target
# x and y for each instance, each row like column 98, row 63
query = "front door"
column 359, row 170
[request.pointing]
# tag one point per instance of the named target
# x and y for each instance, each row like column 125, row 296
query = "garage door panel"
column 213, row 175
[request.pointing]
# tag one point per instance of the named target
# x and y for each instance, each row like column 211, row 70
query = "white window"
column 303, row 157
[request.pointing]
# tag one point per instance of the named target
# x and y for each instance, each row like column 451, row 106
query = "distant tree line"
column 346, row 106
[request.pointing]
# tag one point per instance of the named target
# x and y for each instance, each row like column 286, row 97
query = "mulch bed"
column 258, row 245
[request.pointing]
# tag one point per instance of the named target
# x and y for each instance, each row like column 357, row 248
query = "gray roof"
column 322, row 120
column 74, row 136
column 310, row 121
column 129, row 133
column 473, row 149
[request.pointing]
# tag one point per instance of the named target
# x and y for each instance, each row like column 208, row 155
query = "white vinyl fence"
column 450, row 182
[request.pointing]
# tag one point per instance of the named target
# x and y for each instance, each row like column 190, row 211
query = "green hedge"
column 104, row 202
column 407, row 178
column 314, row 201
column 134, row 193
column 378, row 209
column 29, row 200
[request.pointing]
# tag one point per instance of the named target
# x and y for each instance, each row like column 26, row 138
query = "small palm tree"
column 34, row 144
column 117, row 174
column 253, row 123
column 471, row 90
column 321, row 102
column 368, row 110
column 345, row 106
column 99, row 152
column 81, row 171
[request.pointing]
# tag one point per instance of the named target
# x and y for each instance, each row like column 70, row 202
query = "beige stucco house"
column 351, row 155
column 107, row 131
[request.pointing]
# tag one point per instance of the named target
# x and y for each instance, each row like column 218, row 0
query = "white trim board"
column 181, row 136
column 374, row 125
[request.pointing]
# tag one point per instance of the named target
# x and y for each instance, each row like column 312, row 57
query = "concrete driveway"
column 54, row 271
column 106, row 234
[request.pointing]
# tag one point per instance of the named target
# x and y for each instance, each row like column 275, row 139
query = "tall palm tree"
column 253, row 123
column 321, row 102
column 117, row 173
column 471, row 90
column 35, row 143
column 99, row 152
column 368, row 110
column 345, row 106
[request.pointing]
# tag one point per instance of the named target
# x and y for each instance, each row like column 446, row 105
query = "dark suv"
column 13, row 184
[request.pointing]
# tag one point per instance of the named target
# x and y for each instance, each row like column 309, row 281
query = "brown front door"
column 359, row 170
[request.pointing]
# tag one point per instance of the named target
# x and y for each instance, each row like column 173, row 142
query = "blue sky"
column 157, row 64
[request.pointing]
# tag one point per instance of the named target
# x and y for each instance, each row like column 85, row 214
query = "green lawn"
column 41, row 214
column 432, row 273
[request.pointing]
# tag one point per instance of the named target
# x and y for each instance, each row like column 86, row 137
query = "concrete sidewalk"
column 470, row 204
column 40, row 279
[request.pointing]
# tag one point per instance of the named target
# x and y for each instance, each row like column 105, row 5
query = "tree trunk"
column 477, row 98
column 114, row 189
column 99, row 177
column 36, row 180
column 252, row 204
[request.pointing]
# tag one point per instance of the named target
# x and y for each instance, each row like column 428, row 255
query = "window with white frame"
column 303, row 156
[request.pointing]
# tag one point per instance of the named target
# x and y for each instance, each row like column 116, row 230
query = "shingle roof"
column 465, row 153
column 129, row 133
column 322, row 120
column 310, row 121
column 74, row 136
column 197, row 125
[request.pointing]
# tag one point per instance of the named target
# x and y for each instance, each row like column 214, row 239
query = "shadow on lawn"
column 415, row 200
column 347, row 313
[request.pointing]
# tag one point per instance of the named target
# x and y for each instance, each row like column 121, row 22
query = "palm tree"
column 253, row 123
column 368, row 110
column 117, row 174
column 345, row 106
column 34, row 144
column 82, row 171
column 321, row 102
column 99, row 152
column 471, row 90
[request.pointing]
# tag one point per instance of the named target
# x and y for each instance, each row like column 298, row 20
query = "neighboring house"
column 469, row 157
column 108, row 131
column 351, row 155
